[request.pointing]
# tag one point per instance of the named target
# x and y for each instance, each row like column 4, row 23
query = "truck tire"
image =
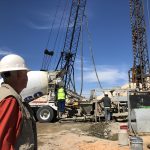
column 45, row 114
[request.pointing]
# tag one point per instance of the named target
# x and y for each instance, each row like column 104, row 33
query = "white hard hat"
column 59, row 82
column 106, row 93
column 12, row 62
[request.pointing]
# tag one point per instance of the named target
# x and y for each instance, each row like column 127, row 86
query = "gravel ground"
column 80, row 136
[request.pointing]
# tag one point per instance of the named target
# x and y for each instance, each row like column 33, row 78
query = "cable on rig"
column 48, row 54
column 63, row 18
column 91, row 51
column 81, row 52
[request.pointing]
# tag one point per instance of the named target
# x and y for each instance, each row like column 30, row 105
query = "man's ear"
column 18, row 74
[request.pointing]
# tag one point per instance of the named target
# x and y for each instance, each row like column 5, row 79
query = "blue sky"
column 25, row 27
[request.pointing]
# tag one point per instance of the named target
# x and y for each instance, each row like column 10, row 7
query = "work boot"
column 60, row 115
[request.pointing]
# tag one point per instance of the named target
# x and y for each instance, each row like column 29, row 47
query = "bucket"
column 123, row 135
column 123, row 138
column 136, row 143
column 124, row 126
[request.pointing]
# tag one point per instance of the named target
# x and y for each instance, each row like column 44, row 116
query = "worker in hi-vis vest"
column 61, row 97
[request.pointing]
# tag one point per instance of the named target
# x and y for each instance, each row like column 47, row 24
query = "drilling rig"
column 140, row 72
column 68, row 55
column 40, row 91
column 139, row 99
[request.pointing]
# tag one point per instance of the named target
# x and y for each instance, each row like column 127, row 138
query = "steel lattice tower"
column 68, row 55
column 141, row 69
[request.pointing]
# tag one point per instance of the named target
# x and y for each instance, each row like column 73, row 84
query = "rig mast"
column 140, row 71
column 68, row 55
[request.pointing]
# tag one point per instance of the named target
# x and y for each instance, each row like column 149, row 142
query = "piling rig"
column 140, row 72
column 68, row 55
column 42, row 96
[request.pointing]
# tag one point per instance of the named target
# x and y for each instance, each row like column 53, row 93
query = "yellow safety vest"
column 61, row 94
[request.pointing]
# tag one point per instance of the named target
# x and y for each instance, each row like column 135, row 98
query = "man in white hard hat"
column 17, row 126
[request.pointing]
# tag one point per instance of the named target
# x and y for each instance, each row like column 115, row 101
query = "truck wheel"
column 45, row 114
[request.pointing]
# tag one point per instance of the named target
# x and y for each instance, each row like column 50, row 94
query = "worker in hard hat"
column 17, row 126
column 61, row 98
column 107, row 106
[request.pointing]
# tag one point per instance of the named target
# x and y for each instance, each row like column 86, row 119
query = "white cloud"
column 106, row 75
column 109, row 75
column 4, row 52
column 37, row 26
column 45, row 20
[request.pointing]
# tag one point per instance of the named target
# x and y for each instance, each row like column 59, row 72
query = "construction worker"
column 61, row 97
column 17, row 126
column 107, row 106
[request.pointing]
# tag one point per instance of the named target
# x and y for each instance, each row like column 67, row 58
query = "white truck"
column 40, row 94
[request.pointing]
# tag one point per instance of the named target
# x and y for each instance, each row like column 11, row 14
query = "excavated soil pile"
column 102, row 130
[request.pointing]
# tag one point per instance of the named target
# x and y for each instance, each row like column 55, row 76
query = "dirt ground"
column 75, row 136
